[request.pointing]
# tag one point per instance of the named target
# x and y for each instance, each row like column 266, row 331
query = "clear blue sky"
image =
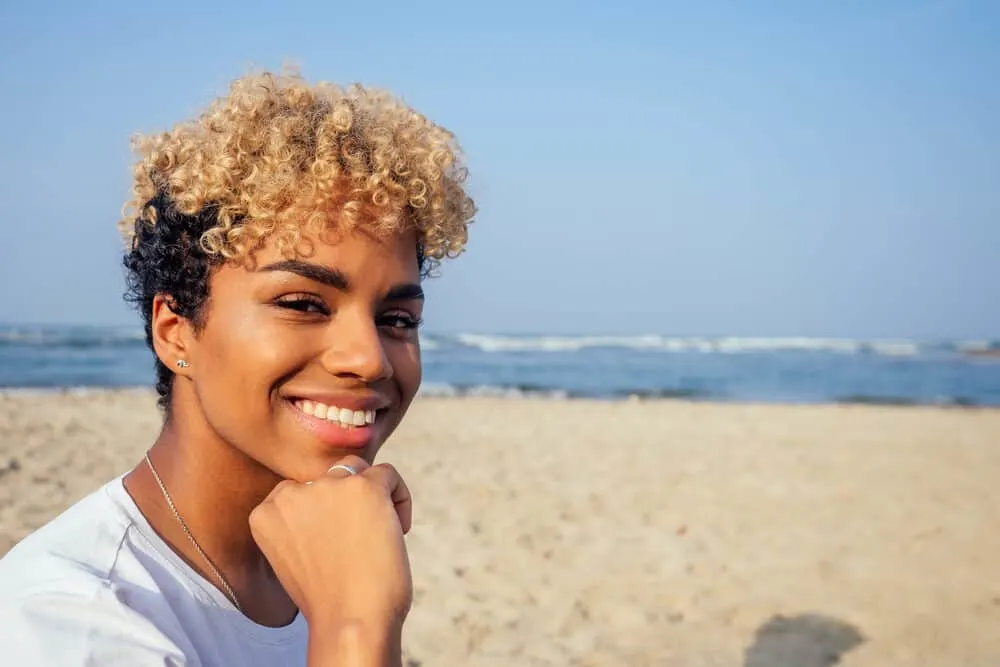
column 764, row 168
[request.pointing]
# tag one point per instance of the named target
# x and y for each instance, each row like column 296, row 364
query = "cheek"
column 406, row 367
column 245, row 355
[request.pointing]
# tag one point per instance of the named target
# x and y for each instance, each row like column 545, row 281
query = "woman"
column 276, row 250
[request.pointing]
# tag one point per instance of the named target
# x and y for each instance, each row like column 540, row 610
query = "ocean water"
column 785, row 370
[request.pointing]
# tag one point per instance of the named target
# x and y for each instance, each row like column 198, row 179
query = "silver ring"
column 342, row 466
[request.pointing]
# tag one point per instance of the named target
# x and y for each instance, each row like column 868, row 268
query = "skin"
column 235, row 456
column 337, row 546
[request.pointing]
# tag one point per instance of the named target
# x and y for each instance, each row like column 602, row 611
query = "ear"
column 173, row 335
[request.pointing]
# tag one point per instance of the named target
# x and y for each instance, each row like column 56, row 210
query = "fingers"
column 355, row 463
column 383, row 475
column 389, row 479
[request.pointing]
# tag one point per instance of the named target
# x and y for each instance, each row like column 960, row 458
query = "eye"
column 303, row 303
column 400, row 324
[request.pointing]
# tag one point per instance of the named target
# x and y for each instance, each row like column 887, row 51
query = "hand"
column 337, row 545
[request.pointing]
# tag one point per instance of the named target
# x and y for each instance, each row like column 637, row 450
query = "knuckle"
column 282, row 494
column 356, row 481
column 354, row 461
column 259, row 517
column 388, row 468
column 361, row 485
column 281, row 489
column 284, row 485
column 389, row 474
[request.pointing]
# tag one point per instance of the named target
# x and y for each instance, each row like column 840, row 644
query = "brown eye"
column 303, row 303
column 400, row 323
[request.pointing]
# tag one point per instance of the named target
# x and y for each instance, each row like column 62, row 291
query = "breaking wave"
column 707, row 345
column 71, row 337
column 446, row 390
column 90, row 337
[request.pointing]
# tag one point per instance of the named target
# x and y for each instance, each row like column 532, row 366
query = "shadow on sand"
column 805, row 640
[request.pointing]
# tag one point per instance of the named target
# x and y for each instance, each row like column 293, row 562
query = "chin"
column 333, row 439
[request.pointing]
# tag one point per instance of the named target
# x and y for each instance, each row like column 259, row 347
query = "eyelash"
column 303, row 303
column 409, row 323
column 307, row 304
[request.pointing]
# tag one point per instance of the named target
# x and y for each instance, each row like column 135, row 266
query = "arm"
column 337, row 546
column 355, row 645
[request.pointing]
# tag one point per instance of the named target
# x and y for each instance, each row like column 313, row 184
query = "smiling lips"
column 344, row 417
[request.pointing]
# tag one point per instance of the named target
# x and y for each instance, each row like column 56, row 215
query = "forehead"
column 344, row 250
column 367, row 261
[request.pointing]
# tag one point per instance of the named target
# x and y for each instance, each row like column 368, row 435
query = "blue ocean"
column 776, row 370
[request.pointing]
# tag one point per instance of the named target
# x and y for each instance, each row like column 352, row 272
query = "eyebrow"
column 320, row 274
column 337, row 280
column 405, row 292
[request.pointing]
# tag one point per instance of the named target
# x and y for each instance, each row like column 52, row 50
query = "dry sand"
column 660, row 533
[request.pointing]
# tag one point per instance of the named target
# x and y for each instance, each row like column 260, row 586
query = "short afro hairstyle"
column 274, row 158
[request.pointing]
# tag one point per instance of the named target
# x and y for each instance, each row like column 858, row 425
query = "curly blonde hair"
column 271, row 160
column 276, row 157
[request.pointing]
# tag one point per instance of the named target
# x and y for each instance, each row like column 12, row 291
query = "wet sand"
column 640, row 533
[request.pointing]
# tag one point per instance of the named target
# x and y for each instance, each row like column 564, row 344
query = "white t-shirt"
column 97, row 587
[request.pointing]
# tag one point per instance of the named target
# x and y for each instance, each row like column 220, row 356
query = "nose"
column 355, row 349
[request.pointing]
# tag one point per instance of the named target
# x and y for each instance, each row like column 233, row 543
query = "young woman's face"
column 301, row 362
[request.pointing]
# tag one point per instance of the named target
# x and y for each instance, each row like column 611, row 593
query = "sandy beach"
column 639, row 533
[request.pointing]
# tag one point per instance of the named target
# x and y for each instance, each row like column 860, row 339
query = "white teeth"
column 343, row 416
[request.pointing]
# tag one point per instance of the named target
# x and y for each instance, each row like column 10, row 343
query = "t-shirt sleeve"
column 78, row 629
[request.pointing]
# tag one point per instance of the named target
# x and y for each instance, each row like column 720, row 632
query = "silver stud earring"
column 181, row 363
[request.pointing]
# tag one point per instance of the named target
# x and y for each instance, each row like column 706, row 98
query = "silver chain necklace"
column 194, row 543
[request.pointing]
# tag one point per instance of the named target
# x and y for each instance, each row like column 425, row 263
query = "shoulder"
column 86, row 624
column 60, row 603
column 81, row 544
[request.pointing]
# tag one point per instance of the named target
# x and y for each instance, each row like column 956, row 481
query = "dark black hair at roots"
column 166, row 258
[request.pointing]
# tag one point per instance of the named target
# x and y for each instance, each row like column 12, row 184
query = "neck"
column 214, row 488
